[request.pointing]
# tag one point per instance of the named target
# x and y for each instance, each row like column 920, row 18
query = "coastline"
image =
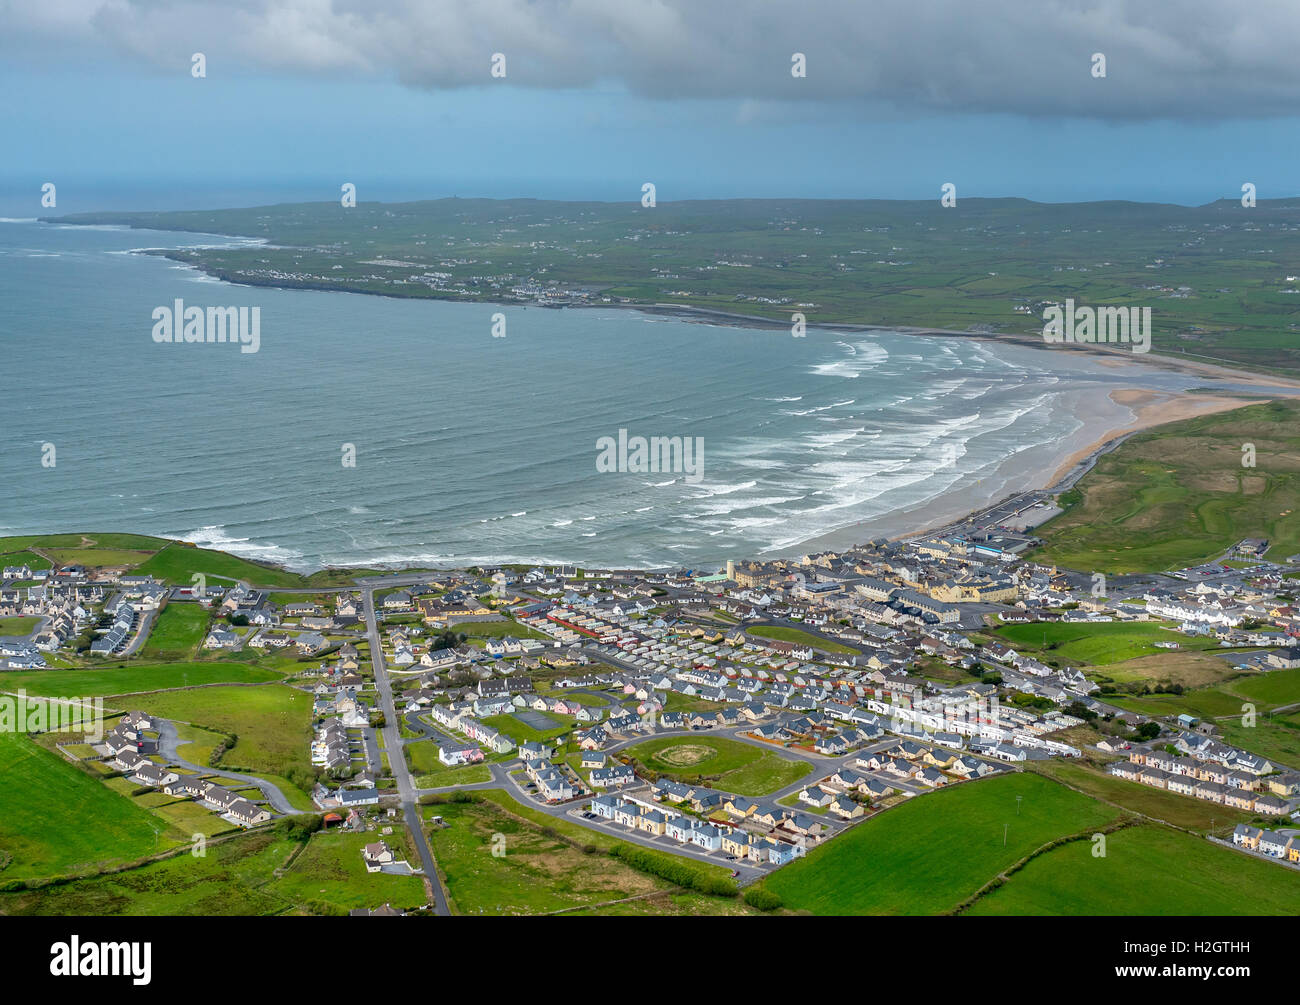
column 1105, row 423
column 1105, row 412
column 716, row 316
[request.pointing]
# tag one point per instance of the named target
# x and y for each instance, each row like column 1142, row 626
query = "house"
column 247, row 813
column 452, row 753
column 618, row 774
column 932, row 777
column 149, row 773
column 739, row 806
column 847, row 808
column 531, row 751
column 1246, row 836
column 377, row 855
column 815, row 795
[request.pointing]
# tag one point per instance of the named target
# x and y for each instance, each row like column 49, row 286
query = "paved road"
column 141, row 634
column 397, row 761
column 169, row 741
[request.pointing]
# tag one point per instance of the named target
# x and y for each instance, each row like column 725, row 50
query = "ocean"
column 471, row 448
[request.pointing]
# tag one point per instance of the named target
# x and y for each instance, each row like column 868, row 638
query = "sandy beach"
column 1152, row 408
column 1105, row 417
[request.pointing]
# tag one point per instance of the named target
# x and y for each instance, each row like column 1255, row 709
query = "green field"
column 270, row 721
column 431, row 773
column 1146, row 871
column 1170, row 807
column 498, row 629
column 798, row 636
column 521, row 732
column 27, row 558
column 1178, row 495
column 131, row 678
column 1097, row 644
column 538, row 872
column 172, row 561
column 177, row 633
column 56, row 819
column 1224, row 701
column 331, row 870
column 932, row 852
column 723, row 763
column 234, row 877
column 179, row 562
column 18, row 625
column 440, row 775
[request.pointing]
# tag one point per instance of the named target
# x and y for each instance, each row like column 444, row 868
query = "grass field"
column 229, row 880
column 1172, row 808
column 131, row 678
column 724, row 763
column 521, row 732
column 498, row 629
column 537, row 872
column 930, row 853
column 46, row 804
column 171, row 561
column 440, row 775
column 270, row 722
column 1097, row 644
column 1179, row 495
column 18, row 625
column 798, row 636
column 1225, row 701
column 331, row 870
column 177, row 633
column 1190, row 669
column 431, row 773
column 1148, row 870
column 27, row 558
column 178, row 563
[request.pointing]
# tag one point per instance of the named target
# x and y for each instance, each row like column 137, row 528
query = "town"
column 740, row 717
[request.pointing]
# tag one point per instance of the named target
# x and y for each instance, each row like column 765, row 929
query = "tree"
column 448, row 639
column 1080, row 711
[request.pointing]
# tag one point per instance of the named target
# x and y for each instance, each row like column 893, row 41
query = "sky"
column 397, row 97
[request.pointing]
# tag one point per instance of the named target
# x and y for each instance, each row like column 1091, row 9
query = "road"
column 393, row 744
column 169, row 741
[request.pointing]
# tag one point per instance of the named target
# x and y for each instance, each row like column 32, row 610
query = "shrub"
column 763, row 900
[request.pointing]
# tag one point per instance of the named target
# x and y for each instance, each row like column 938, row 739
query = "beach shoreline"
column 1105, row 424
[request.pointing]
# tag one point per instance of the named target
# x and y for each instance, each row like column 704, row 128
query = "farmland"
column 1145, row 871
column 1097, row 644
column 1179, row 495
column 270, row 723
column 929, row 854
column 132, row 678
column 891, row 263
column 45, row 803
column 537, row 872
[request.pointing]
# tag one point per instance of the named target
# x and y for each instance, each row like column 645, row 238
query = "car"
column 735, row 873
